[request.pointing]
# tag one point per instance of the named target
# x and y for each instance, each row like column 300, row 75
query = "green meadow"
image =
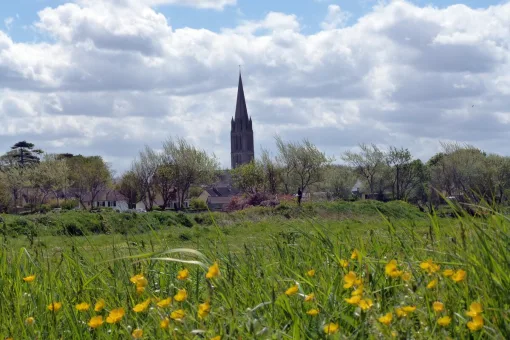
column 325, row 270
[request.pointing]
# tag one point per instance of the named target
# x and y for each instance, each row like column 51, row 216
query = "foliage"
column 198, row 204
column 21, row 154
column 249, row 177
column 369, row 163
column 296, row 280
column 144, row 171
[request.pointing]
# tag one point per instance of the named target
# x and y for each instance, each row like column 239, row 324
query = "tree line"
column 179, row 170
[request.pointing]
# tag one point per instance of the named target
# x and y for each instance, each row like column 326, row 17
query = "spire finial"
column 239, row 69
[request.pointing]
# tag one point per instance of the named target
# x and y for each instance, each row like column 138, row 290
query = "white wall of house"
column 115, row 205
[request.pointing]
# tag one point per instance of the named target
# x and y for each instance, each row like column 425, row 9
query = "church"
column 241, row 133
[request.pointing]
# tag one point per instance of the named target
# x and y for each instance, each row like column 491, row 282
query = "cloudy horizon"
column 97, row 77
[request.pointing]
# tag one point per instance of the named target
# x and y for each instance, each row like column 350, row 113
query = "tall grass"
column 248, row 300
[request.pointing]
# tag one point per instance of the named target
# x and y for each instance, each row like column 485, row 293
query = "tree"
column 339, row 181
column 88, row 177
column 369, row 164
column 144, row 169
column 249, row 177
column 272, row 173
column 164, row 182
column 22, row 154
column 191, row 166
column 302, row 163
column 127, row 186
column 14, row 181
column 51, row 175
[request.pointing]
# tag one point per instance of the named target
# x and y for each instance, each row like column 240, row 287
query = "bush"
column 198, row 204
column 69, row 204
column 44, row 208
column 182, row 219
column 204, row 219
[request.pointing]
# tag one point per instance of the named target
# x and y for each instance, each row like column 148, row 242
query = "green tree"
column 127, row 186
column 369, row 164
column 249, row 177
column 22, row 153
column 51, row 175
column 272, row 173
column 145, row 169
column 191, row 166
column 339, row 181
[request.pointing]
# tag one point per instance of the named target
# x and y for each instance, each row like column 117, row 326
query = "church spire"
column 241, row 110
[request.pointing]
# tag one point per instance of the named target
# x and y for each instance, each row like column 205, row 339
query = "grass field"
column 324, row 271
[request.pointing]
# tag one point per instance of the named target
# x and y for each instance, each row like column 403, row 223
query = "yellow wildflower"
column 181, row 295
column 204, row 309
column 140, row 290
column 386, row 319
column 409, row 309
column 313, row 312
column 183, row 274
column 355, row 254
column 29, row 279
column 309, row 297
column 405, row 310
column 165, row 303
column 459, row 275
column 350, row 279
column 391, row 269
column 100, row 304
column 54, row 306
column 438, row 306
column 95, row 321
column 444, row 321
column 343, row 263
column 139, row 280
column 292, row 290
column 29, row 321
column 214, row 271
column 115, row 315
column 448, row 272
column 331, row 328
column 358, row 291
column 365, row 304
column 137, row 333
column 216, row 338
column 406, row 276
column 400, row 313
column 311, row 273
column 164, row 323
column 82, row 307
column 429, row 266
column 475, row 309
column 141, row 307
column 178, row 314
column 475, row 324
column 432, row 284
column 353, row 300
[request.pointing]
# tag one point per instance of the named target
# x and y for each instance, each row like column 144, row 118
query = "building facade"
column 241, row 133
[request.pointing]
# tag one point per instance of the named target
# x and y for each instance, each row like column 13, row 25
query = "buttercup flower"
column 350, row 279
column 100, row 304
column 429, row 266
column 309, row 297
column 475, row 324
column 343, row 263
column 355, row 254
column 29, row 279
column 95, row 321
column 365, row 304
column 386, row 319
column 313, row 312
column 139, row 280
column 292, row 290
column 448, row 272
column 214, row 271
column 142, row 307
column 115, row 315
column 391, row 269
column 358, row 291
column 432, row 284
column 311, row 273
column 165, row 303
column 137, row 333
column 164, row 323
column 140, row 290
column 438, row 306
column 475, row 309
column 82, row 307
column 216, row 338
column 178, row 314
column 183, row 274
column 460, row 275
column 406, row 276
column 29, row 321
column 204, row 309
column 181, row 295
column 54, row 306
column 444, row 321
column 331, row 328
column 353, row 300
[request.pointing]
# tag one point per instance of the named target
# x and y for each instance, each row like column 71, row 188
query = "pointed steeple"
column 241, row 110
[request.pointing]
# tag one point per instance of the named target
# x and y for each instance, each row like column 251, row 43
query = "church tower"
column 241, row 134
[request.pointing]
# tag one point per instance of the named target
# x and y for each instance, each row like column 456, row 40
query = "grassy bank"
column 285, row 273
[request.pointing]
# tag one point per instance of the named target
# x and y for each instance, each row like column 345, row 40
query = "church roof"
column 241, row 110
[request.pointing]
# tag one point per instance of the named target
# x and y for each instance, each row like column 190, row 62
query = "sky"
column 107, row 77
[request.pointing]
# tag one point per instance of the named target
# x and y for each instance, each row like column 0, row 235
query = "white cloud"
column 8, row 22
column 117, row 77
column 336, row 18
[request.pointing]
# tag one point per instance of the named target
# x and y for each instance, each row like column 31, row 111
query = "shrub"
column 183, row 220
column 69, row 204
column 198, row 204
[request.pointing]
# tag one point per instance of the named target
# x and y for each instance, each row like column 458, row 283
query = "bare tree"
column 144, row 169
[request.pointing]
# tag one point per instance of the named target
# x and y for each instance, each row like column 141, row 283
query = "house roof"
column 221, row 191
column 218, row 200
column 106, row 195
